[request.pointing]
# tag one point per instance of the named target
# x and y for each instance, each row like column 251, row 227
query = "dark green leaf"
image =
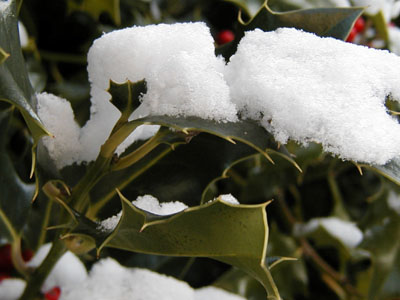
column 15, row 196
column 234, row 234
column 14, row 82
column 382, row 242
column 126, row 96
column 245, row 131
column 325, row 22
column 96, row 8
column 391, row 170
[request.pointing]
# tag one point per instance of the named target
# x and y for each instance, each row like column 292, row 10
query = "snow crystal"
column 347, row 232
column 228, row 198
column 11, row 288
column 213, row 293
column 57, row 116
column 149, row 204
column 68, row 271
column 109, row 280
column 307, row 88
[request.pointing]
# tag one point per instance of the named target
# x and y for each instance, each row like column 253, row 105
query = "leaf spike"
column 67, row 208
column 60, row 226
column 185, row 131
column 269, row 202
column 33, row 161
column 268, row 157
column 282, row 259
column 229, row 139
column 359, row 168
column 122, row 197
column 240, row 19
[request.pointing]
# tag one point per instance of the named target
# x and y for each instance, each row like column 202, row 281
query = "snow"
column 394, row 39
column 228, row 198
column 109, row 280
column 23, row 35
column 389, row 8
column 4, row 5
column 57, row 116
column 11, row 288
column 318, row 3
column 182, row 73
column 149, row 204
column 307, row 88
column 213, row 293
column 393, row 201
column 297, row 85
column 68, row 271
column 346, row 232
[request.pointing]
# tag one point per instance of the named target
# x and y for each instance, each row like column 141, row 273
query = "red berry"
column 27, row 255
column 4, row 276
column 53, row 294
column 359, row 25
column 225, row 36
column 6, row 264
column 353, row 33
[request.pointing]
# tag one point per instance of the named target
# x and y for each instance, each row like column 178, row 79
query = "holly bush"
column 277, row 244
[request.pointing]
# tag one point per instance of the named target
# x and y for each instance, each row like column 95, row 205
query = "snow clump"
column 68, row 271
column 183, row 75
column 149, row 204
column 297, row 85
column 109, row 280
column 346, row 232
column 228, row 198
column 312, row 89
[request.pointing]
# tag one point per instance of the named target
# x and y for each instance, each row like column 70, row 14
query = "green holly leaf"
column 234, row 234
column 15, row 87
column 390, row 170
column 97, row 7
column 16, row 195
column 126, row 96
column 325, row 22
column 244, row 131
column 206, row 158
column 382, row 242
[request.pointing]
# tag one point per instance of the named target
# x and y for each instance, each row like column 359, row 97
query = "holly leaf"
column 325, row 22
column 382, row 242
column 97, row 7
column 16, row 195
column 126, row 96
column 233, row 234
column 185, row 173
column 390, row 170
column 15, row 87
column 247, row 132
